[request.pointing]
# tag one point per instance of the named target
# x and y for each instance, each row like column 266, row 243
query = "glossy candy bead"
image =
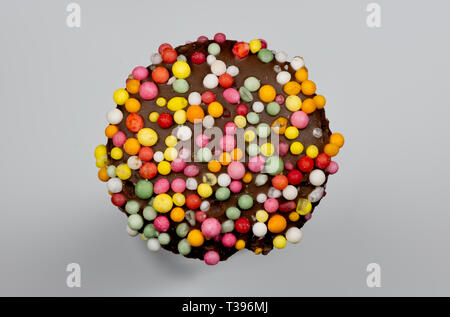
column 299, row 119
column 277, row 223
column 256, row 164
column 294, row 177
column 162, row 203
column 241, row 49
column 236, row 170
column 267, row 93
column 271, row 205
column 337, row 139
column 322, row 160
column 148, row 90
column 195, row 238
column 279, row 242
column 134, row 122
column 235, row 186
column 140, row 73
column 332, row 168
column 317, row 177
column 214, row 49
column 211, row 227
column 161, row 223
column 148, row 170
column 161, row 186
column 193, row 201
column 305, row 164
column 198, row 58
column 259, row 229
column 231, row 95
column 160, row 75
column 280, row 182
column 226, row 81
column 255, row 46
column 222, row 193
column 210, row 81
column 294, row 235
column 120, row 96
column 114, row 116
column 169, row 56
column 265, row 55
column 229, row 240
column 181, row 69
column 242, row 225
column 245, row 202
column 180, row 86
column 165, row 120
column 144, row 189
column 211, row 257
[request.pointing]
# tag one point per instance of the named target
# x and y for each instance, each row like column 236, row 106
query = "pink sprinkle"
column 271, row 205
column 191, row 170
column 148, row 90
column 211, row 227
column 161, row 186
column 279, row 99
column 228, row 240
column 231, row 95
column 256, row 163
column 299, row 119
column 211, row 257
column 119, row 139
column 235, row 186
column 236, row 170
column 220, row 37
column 230, row 128
column 202, row 38
column 332, row 168
column 184, row 153
column 201, row 140
column 200, row 216
column 289, row 166
column 140, row 73
column 283, row 148
column 178, row 165
column 263, row 43
column 178, row 185
column 227, row 143
column 242, row 110
column 161, row 223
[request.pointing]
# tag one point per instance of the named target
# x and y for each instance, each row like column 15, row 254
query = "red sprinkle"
column 118, row 199
column 146, row 153
column 242, row 109
column 169, row 56
column 294, row 177
column 225, row 80
column 134, row 122
column 148, row 170
column 165, row 120
column 242, row 225
column 198, row 58
column 287, row 206
column 322, row 160
column 193, row 201
column 241, row 49
column 208, row 97
column 305, row 164
column 163, row 47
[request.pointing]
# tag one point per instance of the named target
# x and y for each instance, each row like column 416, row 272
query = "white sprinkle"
column 233, row 71
column 297, row 62
column 191, row 183
column 218, row 68
column 210, row 81
column 274, row 193
column 156, row 59
column 114, row 116
column 258, row 107
column 261, row 198
column 224, row 180
column 210, row 59
column 283, row 77
column 208, row 122
column 158, row 156
column 171, row 80
column 195, row 98
column 281, row 57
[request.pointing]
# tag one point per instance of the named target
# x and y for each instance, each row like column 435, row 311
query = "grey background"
column 387, row 93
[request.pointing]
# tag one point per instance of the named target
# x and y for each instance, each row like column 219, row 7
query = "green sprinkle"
column 245, row 94
column 180, row 86
column 182, row 230
column 227, row 226
column 245, row 202
column 144, row 189
column 273, row 108
column 223, row 193
column 213, row 48
column 149, row 213
column 274, row 165
column 263, row 130
column 204, row 154
column 135, row 222
column 132, row 207
column 253, row 117
column 265, row 55
column 253, row 149
column 233, row 213
column 164, row 238
column 184, row 247
column 150, row 231
column 252, row 84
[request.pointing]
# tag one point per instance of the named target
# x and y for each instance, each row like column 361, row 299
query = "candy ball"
column 148, row 90
column 259, row 229
column 299, row 119
column 236, row 170
column 211, row 227
column 139, row 73
column 211, row 257
column 229, row 240
column 114, row 116
column 294, row 235
column 317, row 177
